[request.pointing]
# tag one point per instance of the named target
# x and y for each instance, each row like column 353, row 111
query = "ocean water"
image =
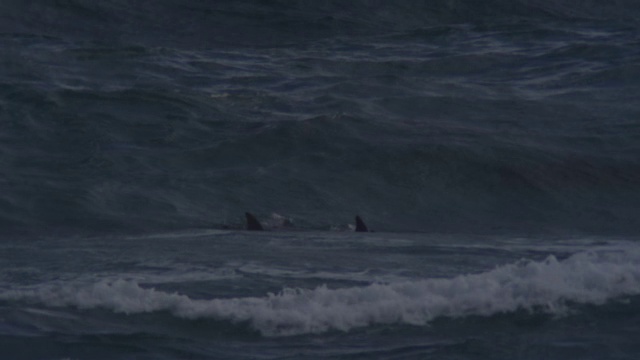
column 493, row 146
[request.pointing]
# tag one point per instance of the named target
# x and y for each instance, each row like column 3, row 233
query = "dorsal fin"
column 252, row 222
column 360, row 226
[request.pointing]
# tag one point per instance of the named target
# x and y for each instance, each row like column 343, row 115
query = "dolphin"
column 253, row 223
column 360, row 226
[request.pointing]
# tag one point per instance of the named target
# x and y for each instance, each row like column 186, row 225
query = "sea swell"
column 447, row 116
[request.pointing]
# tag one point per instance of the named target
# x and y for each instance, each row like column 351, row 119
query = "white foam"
column 592, row 277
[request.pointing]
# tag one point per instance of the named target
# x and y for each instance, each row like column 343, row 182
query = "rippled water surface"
column 493, row 147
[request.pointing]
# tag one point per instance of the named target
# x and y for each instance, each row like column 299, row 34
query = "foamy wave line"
column 549, row 285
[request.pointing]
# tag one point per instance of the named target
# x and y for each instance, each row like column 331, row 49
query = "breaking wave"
column 550, row 286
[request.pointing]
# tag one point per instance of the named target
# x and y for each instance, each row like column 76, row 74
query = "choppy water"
column 494, row 146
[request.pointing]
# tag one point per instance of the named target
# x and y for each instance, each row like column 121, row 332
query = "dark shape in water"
column 254, row 225
column 252, row 222
column 360, row 226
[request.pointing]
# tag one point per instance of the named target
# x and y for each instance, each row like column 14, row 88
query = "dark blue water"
column 476, row 138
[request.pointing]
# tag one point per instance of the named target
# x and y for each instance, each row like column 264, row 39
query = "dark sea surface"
column 494, row 147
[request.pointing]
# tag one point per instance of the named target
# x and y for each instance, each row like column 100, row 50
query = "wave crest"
column 549, row 286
